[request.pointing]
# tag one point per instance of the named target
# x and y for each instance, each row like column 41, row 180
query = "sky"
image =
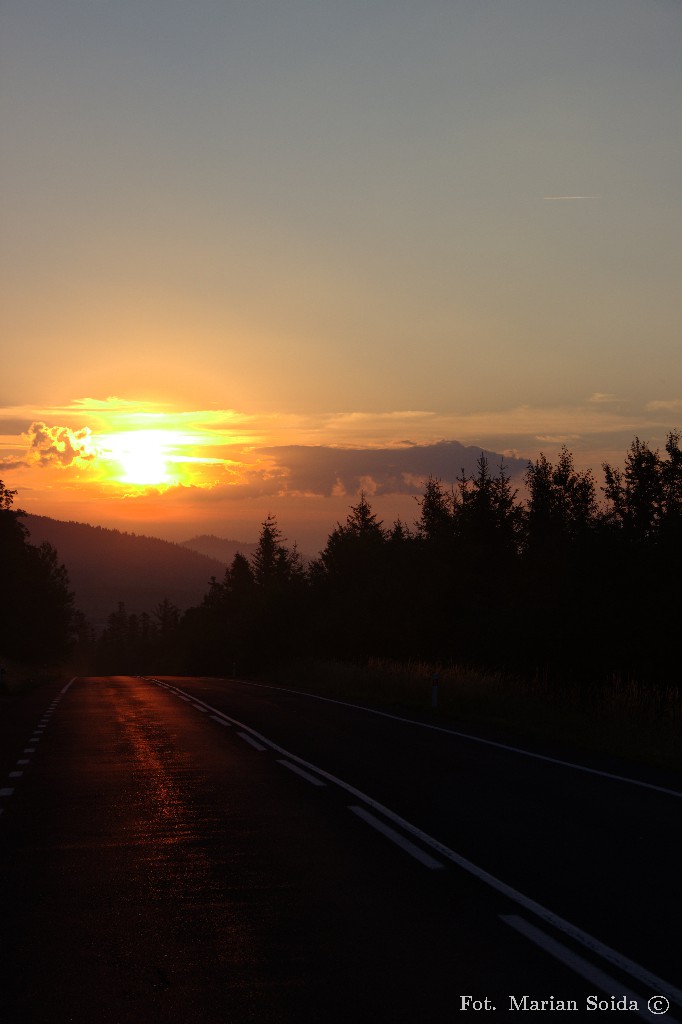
column 258, row 256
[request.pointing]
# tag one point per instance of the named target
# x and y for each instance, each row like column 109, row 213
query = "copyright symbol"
column 659, row 1004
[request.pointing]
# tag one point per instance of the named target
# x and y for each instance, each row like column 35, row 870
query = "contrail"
column 571, row 197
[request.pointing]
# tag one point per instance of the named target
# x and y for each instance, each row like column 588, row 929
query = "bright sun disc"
column 143, row 456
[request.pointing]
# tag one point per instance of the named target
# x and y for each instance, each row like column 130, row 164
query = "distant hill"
column 218, row 547
column 107, row 566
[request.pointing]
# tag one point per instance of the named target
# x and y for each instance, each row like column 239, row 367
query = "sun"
column 142, row 457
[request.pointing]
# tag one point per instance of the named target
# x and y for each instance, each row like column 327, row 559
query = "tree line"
column 38, row 622
column 561, row 584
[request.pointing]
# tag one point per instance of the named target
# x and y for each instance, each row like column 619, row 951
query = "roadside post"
column 435, row 680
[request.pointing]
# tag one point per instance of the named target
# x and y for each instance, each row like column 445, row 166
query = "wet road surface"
column 181, row 850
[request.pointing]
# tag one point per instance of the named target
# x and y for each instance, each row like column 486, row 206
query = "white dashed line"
column 220, row 721
column 574, row 961
column 593, row 944
column 304, row 775
column 15, row 775
column 421, row 855
column 254, row 743
column 24, row 760
column 6, row 792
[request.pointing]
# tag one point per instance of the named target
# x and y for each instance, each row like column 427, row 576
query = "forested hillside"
column 220, row 548
column 107, row 566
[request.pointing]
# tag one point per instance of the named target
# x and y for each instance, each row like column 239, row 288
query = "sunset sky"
column 258, row 255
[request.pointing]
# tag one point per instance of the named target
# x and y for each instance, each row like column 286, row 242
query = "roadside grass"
column 19, row 677
column 623, row 718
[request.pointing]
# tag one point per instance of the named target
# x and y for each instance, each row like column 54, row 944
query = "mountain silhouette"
column 107, row 566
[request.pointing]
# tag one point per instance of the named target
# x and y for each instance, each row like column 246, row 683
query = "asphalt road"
column 221, row 852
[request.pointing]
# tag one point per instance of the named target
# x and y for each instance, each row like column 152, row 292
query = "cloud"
column 330, row 471
column 12, row 462
column 59, row 446
column 602, row 398
column 665, row 405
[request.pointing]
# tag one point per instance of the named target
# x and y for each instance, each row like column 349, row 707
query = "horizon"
column 259, row 258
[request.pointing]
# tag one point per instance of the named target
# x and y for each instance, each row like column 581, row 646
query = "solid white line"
column 304, row 775
column 657, row 985
column 254, row 743
column 476, row 739
column 6, row 792
column 604, row 982
column 424, row 858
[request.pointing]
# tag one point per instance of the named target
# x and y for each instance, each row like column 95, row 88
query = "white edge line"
column 476, row 739
column 390, row 833
column 304, row 775
column 604, row 982
column 656, row 984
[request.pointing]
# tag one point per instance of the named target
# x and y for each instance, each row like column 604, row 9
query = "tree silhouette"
column 36, row 604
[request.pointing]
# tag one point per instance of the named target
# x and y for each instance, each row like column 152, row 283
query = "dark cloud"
column 12, row 462
column 325, row 470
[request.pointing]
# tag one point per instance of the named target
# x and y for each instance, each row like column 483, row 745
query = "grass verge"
column 622, row 718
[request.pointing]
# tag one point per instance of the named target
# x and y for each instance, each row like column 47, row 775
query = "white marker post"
column 435, row 680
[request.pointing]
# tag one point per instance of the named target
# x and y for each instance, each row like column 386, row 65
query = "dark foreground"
column 202, row 851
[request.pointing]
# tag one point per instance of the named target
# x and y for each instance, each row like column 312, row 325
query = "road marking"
column 183, row 698
column 424, row 858
column 304, row 775
column 24, row 760
column 604, row 982
column 34, row 739
column 199, row 708
column 220, row 721
column 15, row 775
column 475, row 739
column 645, row 977
column 6, row 792
column 254, row 743
column 29, row 750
